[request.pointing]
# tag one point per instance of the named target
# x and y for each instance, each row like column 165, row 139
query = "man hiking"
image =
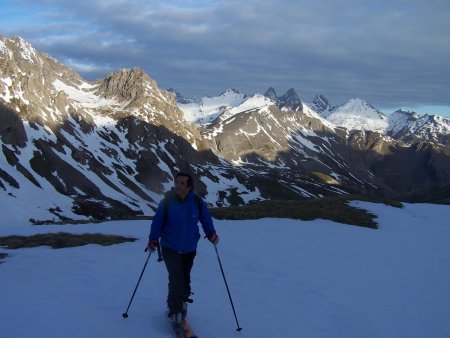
column 176, row 224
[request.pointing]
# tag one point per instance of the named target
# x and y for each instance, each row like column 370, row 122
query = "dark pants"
column 179, row 268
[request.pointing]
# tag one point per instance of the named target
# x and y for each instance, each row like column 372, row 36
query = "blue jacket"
column 180, row 231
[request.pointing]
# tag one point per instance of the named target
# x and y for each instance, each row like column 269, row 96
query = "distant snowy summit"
column 355, row 114
column 358, row 114
column 410, row 127
column 207, row 109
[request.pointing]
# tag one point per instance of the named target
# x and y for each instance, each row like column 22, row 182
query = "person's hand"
column 214, row 239
column 152, row 245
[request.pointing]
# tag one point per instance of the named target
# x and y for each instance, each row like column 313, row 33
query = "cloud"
column 388, row 52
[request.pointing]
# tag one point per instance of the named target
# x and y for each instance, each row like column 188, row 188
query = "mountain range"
column 74, row 149
column 355, row 114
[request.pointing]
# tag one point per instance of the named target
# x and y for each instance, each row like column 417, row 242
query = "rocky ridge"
column 74, row 149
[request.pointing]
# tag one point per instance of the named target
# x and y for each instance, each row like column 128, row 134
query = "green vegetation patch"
column 443, row 201
column 61, row 240
column 332, row 208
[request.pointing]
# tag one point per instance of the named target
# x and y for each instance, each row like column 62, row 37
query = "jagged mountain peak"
column 290, row 101
column 25, row 50
column 233, row 92
column 271, row 94
column 125, row 84
column 402, row 111
column 180, row 98
column 356, row 101
column 411, row 127
column 177, row 94
column 130, row 72
column 20, row 54
column 320, row 104
column 357, row 105
column 18, row 49
column 414, row 116
column 404, row 114
column 321, row 99
column 133, row 74
column 290, row 93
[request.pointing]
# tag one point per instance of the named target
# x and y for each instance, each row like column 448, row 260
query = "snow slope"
column 316, row 278
column 357, row 114
column 427, row 127
column 207, row 108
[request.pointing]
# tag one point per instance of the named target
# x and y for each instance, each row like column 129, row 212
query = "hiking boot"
column 184, row 310
column 176, row 318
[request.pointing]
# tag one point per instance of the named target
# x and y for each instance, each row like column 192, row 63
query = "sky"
column 392, row 53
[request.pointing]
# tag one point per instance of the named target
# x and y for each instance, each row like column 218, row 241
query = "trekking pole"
column 125, row 314
column 228, row 289
column 160, row 257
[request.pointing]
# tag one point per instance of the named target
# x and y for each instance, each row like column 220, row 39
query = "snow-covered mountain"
column 412, row 127
column 320, row 105
column 409, row 127
column 77, row 149
column 207, row 109
column 357, row 114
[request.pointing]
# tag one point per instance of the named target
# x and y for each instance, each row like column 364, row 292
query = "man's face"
column 181, row 186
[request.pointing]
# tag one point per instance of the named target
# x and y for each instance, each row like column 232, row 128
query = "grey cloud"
column 388, row 52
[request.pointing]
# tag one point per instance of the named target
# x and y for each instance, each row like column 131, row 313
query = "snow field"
column 316, row 278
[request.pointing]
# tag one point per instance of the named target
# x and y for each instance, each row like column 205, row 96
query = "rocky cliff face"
column 320, row 105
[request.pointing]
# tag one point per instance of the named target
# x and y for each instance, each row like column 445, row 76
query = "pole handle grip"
column 160, row 257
